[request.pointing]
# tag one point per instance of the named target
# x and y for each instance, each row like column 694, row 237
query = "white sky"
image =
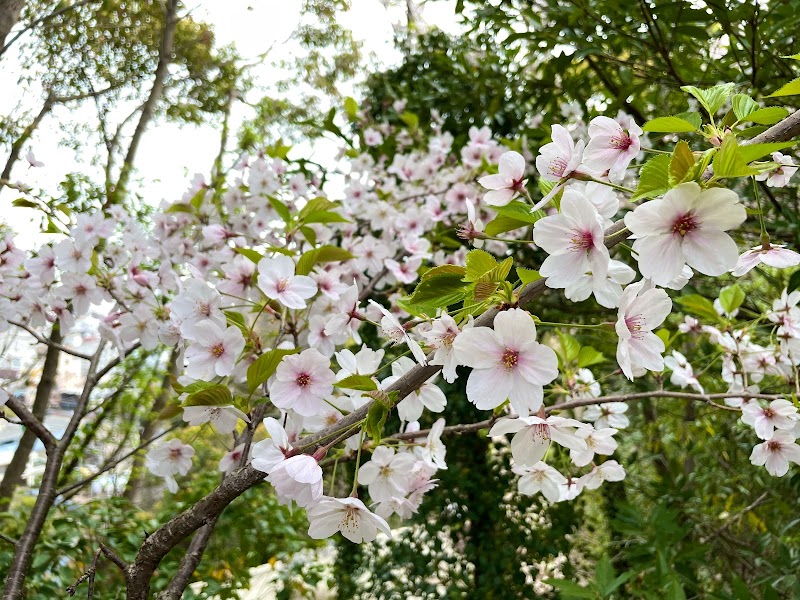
column 170, row 154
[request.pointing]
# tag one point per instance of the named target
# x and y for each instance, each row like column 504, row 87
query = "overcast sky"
column 170, row 154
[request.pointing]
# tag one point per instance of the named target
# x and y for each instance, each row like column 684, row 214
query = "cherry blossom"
column 686, row 226
column 532, row 436
column 598, row 441
column 540, row 477
column 213, row 351
column 302, row 382
column 611, row 146
column 231, row 459
column 561, row 157
column 509, row 181
column 641, row 309
column 425, row 396
column 507, row 363
column 223, row 418
column 277, row 280
column 777, row 256
column 168, row 459
column 432, row 451
column 386, row 473
column 395, row 331
column 349, row 516
column 610, row 470
column 297, row 478
column 776, row 453
column 441, row 336
column 780, row 176
column 780, row 414
column 682, row 372
column 574, row 241
column 268, row 453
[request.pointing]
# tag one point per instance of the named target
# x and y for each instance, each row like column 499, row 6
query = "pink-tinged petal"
column 277, row 267
column 780, row 258
column 719, row 208
column 488, row 388
column 660, row 257
column 654, row 306
column 276, row 432
column 525, row 398
column 646, row 352
column 505, row 426
column 578, row 207
column 604, row 126
column 710, row 251
column 563, row 141
column 560, row 270
column 553, row 234
column 568, row 440
column 206, row 333
column 495, row 182
column 657, row 216
column 746, row 262
column 303, row 286
column 290, row 300
column 499, row 197
column 325, row 526
column 776, row 464
column 530, row 445
column 538, row 365
column 478, row 348
column 512, row 165
column 514, row 329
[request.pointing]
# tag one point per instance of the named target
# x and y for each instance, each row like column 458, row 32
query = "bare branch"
column 43, row 340
column 35, row 425
column 79, row 484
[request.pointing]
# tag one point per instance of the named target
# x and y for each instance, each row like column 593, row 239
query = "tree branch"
column 32, row 423
column 43, row 340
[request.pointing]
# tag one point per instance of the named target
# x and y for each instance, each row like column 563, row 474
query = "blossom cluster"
column 272, row 293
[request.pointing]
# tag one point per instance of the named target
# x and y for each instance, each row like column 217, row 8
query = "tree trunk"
column 13, row 475
column 149, row 108
column 9, row 16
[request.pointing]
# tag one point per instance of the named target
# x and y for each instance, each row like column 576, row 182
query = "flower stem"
column 621, row 188
column 353, row 492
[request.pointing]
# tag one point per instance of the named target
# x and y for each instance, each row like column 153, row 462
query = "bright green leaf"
column 790, row 89
column 670, row 125
column 654, row 178
column 527, row 276
column 215, row 395
column 362, row 383
column 731, row 298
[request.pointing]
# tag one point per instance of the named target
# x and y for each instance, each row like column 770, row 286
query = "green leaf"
column 280, row 208
column 752, row 152
column 478, row 262
column 309, row 234
column 570, row 348
column 604, row 575
column 698, row 305
column 654, row 178
column 249, row 253
column 323, row 254
column 324, row 216
column 519, row 211
column 214, row 395
column 568, row 589
column 180, row 208
column 728, row 162
column 731, row 297
column 444, row 270
column 236, row 319
column 23, row 203
column 670, row 125
column 527, row 276
column 681, row 163
column 362, row 383
column 376, row 419
column 767, row 116
column 794, row 282
column 712, row 98
column 743, row 105
column 410, row 119
column 502, row 223
column 265, row 365
column 197, row 199
column 191, row 388
column 497, row 274
column 437, row 291
column 351, row 107
column 790, row 89
column 588, row 356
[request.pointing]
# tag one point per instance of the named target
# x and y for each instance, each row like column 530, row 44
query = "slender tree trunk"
column 10, row 11
column 16, row 147
column 149, row 108
column 13, row 475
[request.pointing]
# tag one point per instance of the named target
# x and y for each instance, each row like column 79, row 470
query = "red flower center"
column 510, row 359
column 303, row 379
column 684, row 224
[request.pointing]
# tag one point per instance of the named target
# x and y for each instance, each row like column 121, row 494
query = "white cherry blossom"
column 507, row 363
column 349, row 516
column 277, row 280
